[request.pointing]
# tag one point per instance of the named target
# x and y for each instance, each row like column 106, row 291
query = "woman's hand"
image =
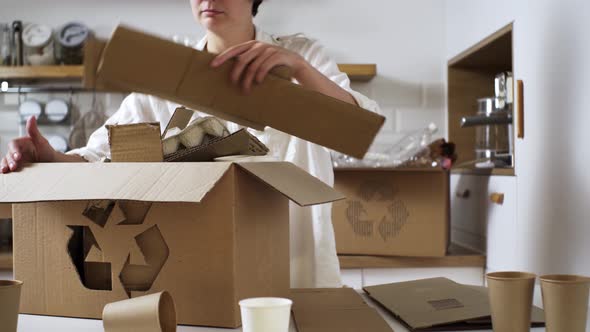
column 31, row 148
column 255, row 59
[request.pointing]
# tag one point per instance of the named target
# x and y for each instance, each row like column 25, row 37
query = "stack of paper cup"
column 265, row 314
column 9, row 304
column 565, row 300
column 511, row 299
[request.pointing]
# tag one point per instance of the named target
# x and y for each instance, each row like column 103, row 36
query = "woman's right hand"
column 28, row 149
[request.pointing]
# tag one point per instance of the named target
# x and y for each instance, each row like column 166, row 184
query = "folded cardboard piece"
column 439, row 304
column 134, row 61
column 392, row 212
column 209, row 233
column 334, row 310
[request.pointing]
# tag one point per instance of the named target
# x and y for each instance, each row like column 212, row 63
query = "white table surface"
column 34, row 323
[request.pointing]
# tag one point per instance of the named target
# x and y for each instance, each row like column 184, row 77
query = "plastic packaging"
column 410, row 145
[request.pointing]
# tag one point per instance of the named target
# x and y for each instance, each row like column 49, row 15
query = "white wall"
column 551, row 52
column 404, row 38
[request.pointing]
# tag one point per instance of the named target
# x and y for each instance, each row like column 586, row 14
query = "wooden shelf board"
column 42, row 73
column 5, row 261
column 457, row 257
column 359, row 72
column 356, row 72
column 494, row 52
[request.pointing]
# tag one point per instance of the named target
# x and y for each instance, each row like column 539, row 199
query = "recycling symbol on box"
column 147, row 254
column 392, row 211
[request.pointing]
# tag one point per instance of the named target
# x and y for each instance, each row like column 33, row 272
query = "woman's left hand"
column 255, row 59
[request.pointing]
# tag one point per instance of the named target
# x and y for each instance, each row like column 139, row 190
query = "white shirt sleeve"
column 316, row 55
column 98, row 143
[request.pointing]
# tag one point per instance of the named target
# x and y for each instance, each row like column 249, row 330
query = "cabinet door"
column 468, row 210
column 501, row 223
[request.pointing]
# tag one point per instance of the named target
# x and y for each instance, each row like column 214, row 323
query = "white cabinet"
column 483, row 216
column 552, row 184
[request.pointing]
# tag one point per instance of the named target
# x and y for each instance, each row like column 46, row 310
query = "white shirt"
column 313, row 249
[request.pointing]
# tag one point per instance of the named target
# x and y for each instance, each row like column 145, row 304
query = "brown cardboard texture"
column 334, row 310
column 437, row 304
column 149, row 313
column 5, row 211
column 132, row 61
column 210, row 234
column 392, row 212
column 138, row 142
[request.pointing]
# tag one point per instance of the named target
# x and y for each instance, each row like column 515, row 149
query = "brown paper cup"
column 511, row 299
column 9, row 304
column 150, row 313
column 565, row 300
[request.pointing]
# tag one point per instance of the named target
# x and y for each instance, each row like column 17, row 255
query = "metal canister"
column 17, row 41
column 5, row 45
column 38, row 45
column 71, row 39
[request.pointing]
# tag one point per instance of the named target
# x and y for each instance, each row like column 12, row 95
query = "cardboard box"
column 87, row 234
column 134, row 61
column 439, row 304
column 334, row 310
column 392, row 212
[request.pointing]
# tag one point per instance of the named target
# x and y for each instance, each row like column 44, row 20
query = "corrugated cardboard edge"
column 138, row 142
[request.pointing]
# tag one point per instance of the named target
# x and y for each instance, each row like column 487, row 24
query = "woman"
column 232, row 35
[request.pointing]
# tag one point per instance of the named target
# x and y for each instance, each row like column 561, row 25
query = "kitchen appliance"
column 494, row 125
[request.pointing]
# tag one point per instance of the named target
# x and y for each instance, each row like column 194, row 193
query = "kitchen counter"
column 34, row 323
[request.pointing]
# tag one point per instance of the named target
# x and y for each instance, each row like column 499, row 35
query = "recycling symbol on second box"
column 392, row 211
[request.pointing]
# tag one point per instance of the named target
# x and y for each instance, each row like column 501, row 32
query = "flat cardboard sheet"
column 334, row 310
column 437, row 304
column 134, row 61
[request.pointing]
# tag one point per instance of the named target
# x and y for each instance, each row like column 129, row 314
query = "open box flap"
column 151, row 182
column 133, row 61
column 293, row 182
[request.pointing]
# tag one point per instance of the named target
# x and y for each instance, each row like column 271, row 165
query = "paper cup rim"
column 10, row 283
column 265, row 302
column 564, row 279
column 510, row 275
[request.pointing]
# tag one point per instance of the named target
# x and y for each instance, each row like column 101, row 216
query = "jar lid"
column 56, row 110
column 30, row 108
column 73, row 35
column 36, row 35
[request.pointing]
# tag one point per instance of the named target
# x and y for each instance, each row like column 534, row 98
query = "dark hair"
column 255, row 5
